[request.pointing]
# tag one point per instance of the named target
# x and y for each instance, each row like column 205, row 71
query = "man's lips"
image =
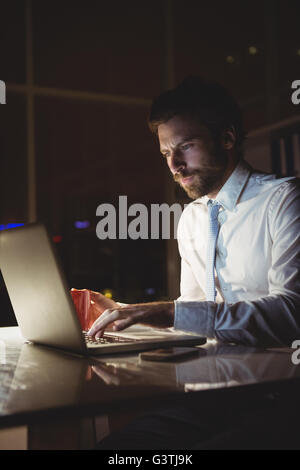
column 186, row 179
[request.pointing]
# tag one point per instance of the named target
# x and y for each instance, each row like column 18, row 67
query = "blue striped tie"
column 213, row 230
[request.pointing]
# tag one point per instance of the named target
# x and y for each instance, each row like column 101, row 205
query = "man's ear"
column 228, row 138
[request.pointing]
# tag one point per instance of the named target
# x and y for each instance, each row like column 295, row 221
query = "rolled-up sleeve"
column 273, row 319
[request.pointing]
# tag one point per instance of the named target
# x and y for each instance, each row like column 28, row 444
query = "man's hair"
column 205, row 101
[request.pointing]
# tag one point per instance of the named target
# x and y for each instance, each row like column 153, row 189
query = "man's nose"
column 176, row 162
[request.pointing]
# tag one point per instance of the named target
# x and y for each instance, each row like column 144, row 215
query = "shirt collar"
column 232, row 188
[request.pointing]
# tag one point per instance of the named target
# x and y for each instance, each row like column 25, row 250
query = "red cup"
column 82, row 302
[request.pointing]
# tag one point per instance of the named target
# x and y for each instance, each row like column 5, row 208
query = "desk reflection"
column 218, row 365
column 46, row 379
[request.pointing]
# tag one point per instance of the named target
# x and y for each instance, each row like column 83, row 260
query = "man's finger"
column 103, row 321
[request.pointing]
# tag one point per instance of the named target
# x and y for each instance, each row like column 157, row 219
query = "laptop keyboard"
column 106, row 339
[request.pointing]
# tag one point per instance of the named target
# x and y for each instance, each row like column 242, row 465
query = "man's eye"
column 186, row 146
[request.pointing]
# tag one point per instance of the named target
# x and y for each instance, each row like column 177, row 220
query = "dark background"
column 80, row 78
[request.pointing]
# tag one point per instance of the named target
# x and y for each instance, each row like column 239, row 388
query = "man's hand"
column 154, row 314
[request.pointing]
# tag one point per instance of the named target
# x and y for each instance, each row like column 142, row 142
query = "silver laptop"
column 44, row 308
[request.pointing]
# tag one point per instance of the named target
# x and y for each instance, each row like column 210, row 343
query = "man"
column 239, row 236
column 239, row 247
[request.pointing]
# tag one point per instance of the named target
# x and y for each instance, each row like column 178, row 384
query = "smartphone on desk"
column 168, row 354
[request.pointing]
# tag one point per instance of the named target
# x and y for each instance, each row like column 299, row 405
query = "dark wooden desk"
column 52, row 393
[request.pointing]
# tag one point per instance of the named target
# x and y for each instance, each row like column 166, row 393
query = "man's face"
column 195, row 162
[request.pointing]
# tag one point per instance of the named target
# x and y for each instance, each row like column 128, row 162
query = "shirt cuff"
column 195, row 317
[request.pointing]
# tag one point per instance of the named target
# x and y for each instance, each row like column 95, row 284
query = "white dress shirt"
column 257, row 262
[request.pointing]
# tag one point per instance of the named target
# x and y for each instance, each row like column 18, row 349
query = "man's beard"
column 205, row 181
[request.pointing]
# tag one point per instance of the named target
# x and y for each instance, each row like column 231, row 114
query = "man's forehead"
column 180, row 128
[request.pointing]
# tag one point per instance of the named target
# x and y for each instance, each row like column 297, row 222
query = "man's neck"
column 227, row 175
